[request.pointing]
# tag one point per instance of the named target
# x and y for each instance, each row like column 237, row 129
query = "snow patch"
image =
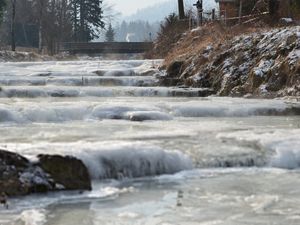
column 263, row 67
column 286, row 20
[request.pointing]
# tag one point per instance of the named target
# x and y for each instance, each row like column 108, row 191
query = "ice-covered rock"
column 67, row 171
column 19, row 176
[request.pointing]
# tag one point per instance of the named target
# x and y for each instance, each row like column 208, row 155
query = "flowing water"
column 182, row 159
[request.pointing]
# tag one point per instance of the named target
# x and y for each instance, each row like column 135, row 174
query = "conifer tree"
column 87, row 18
column 2, row 6
column 110, row 34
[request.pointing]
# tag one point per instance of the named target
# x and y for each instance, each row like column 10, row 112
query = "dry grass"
column 196, row 41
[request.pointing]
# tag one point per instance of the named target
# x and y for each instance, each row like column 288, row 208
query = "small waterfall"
column 133, row 161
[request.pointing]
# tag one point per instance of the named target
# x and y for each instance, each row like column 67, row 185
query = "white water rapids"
column 180, row 158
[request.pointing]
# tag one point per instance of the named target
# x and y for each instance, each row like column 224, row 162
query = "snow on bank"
column 263, row 64
column 10, row 56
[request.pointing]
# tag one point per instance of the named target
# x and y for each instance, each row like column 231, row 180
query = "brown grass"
column 195, row 41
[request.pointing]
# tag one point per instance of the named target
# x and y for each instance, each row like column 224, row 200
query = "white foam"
column 147, row 115
column 226, row 107
column 33, row 217
column 62, row 112
column 69, row 91
column 128, row 215
column 136, row 109
column 77, row 68
column 116, row 72
column 108, row 192
column 282, row 147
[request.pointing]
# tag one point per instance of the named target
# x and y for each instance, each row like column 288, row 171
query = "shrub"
column 171, row 30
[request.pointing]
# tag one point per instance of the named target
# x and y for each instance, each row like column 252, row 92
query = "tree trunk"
column 40, row 37
column 82, row 25
column 181, row 9
column 75, row 21
column 25, row 34
column 13, row 25
column 273, row 8
column 41, row 14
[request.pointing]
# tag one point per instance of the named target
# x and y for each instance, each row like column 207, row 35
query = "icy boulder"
column 68, row 172
column 19, row 176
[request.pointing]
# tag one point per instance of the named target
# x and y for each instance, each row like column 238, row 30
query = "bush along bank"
column 260, row 64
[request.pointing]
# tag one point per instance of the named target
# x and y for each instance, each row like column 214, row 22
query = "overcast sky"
column 128, row 7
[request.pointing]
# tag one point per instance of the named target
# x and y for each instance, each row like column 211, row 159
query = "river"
column 184, row 159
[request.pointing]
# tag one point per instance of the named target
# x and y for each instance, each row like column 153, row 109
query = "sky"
column 128, row 7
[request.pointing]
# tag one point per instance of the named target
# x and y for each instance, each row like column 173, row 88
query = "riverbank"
column 19, row 56
column 253, row 63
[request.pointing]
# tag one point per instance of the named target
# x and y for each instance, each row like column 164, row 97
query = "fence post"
column 240, row 11
column 181, row 9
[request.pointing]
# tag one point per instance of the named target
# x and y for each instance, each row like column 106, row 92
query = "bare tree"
column 40, row 5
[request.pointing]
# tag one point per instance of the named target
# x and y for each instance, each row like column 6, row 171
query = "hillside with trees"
column 136, row 31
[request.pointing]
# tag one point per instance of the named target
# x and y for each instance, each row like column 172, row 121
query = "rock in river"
column 19, row 176
column 67, row 171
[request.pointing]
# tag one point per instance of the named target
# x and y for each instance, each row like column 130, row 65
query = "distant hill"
column 145, row 23
column 159, row 11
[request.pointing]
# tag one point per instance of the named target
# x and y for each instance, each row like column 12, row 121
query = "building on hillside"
column 228, row 8
column 231, row 8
